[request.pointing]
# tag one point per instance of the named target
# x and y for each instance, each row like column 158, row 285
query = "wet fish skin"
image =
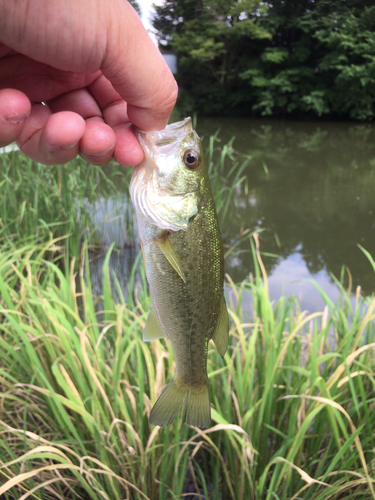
column 183, row 256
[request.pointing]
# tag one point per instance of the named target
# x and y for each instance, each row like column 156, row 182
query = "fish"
column 183, row 255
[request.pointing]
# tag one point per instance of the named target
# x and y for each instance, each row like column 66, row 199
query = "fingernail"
column 16, row 119
column 69, row 146
column 100, row 153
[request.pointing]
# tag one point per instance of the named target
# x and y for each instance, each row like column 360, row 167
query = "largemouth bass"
column 183, row 256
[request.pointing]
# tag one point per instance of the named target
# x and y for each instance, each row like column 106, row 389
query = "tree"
column 210, row 38
column 285, row 57
column 284, row 72
column 345, row 33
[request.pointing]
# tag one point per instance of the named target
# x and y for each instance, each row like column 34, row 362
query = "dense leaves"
column 285, row 57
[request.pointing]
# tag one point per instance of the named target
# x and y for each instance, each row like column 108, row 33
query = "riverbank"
column 292, row 401
column 305, row 187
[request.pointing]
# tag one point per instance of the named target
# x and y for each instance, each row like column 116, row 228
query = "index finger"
column 137, row 70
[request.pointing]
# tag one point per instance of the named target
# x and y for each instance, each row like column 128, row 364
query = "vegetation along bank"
column 293, row 399
column 305, row 58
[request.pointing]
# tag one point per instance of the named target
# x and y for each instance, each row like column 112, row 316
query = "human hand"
column 96, row 69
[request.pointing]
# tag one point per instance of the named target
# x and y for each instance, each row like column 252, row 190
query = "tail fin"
column 195, row 403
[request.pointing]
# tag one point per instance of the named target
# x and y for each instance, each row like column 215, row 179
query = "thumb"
column 137, row 70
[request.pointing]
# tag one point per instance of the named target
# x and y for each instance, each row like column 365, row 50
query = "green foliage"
column 211, row 39
column 271, row 58
column 347, row 36
column 40, row 202
column 292, row 400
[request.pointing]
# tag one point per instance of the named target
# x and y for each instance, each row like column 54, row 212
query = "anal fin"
column 170, row 253
column 153, row 329
column 221, row 333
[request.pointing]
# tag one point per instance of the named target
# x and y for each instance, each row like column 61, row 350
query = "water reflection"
column 310, row 188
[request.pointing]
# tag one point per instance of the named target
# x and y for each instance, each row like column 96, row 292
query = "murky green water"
column 311, row 188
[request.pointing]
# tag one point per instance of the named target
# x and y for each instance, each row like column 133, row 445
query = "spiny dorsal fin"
column 221, row 333
column 153, row 329
column 171, row 255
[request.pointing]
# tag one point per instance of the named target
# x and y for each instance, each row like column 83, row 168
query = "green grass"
column 39, row 202
column 224, row 181
column 293, row 399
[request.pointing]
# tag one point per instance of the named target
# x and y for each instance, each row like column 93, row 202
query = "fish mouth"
column 175, row 132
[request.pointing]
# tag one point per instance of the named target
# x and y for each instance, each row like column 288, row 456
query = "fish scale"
column 183, row 256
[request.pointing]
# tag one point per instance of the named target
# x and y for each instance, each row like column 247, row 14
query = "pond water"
column 309, row 188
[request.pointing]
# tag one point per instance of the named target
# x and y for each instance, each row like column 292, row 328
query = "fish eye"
column 191, row 159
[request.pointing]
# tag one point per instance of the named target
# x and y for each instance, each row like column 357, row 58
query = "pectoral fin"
column 221, row 333
column 153, row 329
column 170, row 253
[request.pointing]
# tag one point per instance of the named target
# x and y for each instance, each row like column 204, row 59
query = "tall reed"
column 293, row 399
column 41, row 202
column 292, row 402
column 227, row 172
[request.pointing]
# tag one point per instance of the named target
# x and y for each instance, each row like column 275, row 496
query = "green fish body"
column 183, row 256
